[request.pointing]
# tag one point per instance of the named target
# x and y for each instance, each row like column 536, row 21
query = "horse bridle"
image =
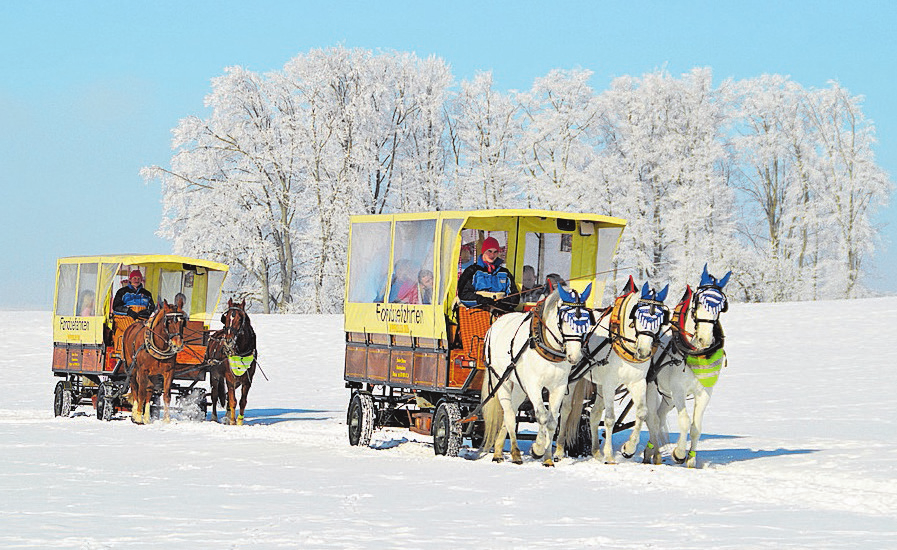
column 696, row 301
column 573, row 310
column 168, row 318
column 651, row 306
column 230, row 342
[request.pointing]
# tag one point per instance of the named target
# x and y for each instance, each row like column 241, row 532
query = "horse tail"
column 493, row 420
column 222, row 391
column 571, row 423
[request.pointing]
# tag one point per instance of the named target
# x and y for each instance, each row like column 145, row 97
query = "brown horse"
column 150, row 348
column 232, row 353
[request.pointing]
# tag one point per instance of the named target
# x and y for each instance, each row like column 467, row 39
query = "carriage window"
column 369, row 262
column 170, row 283
column 214, row 280
column 87, row 290
column 67, row 280
column 412, row 276
column 450, row 230
column 546, row 254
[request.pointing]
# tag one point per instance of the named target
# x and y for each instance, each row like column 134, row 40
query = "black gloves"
column 143, row 314
column 132, row 314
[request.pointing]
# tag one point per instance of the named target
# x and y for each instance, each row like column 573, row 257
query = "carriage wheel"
column 62, row 400
column 447, row 429
column 105, row 402
column 360, row 419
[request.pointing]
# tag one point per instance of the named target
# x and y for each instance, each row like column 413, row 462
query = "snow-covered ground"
column 799, row 451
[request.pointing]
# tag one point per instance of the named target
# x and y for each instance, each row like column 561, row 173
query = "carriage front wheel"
column 62, row 400
column 447, row 429
column 360, row 419
column 105, row 402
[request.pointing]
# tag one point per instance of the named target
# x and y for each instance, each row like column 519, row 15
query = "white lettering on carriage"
column 399, row 314
column 67, row 324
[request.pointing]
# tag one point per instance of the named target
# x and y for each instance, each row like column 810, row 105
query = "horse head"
column 708, row 303
column 575, row 321
column 173, row 323
column 648, row 317
column 234, row 320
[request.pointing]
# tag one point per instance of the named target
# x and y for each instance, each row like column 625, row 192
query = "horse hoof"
column 239, row 421
column 692, row 463
column 548, row 463
column 677, row 458
column 627, row 455
column 498, row 459
column 532, row 453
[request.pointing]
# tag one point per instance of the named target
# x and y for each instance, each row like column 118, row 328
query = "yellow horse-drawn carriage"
column 414, row 355
column 87, row 354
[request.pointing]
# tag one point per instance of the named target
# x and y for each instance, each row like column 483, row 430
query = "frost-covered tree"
column 484, row 131
column 557, row 147
column 664, row 156
column 230, row 192
column 852, row 186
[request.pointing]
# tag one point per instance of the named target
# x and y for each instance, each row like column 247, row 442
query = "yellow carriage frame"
column 85, row 348
column 411, row 355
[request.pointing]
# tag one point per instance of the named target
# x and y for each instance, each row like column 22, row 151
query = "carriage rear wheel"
column 62, row 400
column 105, row 402
column 447, row 429
column 360, row 419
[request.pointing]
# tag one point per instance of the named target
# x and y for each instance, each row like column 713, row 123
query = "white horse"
column 689, row 364
column 635, row 323
column 526, row 352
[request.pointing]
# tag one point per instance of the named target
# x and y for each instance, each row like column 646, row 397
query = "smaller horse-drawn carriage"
column 414, row 354
column 89, row 336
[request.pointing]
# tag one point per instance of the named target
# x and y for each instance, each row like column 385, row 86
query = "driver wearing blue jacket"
column 487, row 283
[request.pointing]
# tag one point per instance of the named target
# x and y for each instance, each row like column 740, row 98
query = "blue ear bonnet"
column 713, row 300
column 573, row 310
column 650, row 312
column 709, row 280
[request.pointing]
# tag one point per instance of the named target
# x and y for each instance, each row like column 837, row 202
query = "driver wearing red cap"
column 134, row 294
column 487, row 283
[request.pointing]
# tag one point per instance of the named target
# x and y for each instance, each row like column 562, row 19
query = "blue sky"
column 89, row 91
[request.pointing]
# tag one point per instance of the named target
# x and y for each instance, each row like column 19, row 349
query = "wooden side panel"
column 426, row 368
column 91, row 360
column 356, row 360
column 59, row 358
column 400, row 366
column 191, row 355
column 378, row 364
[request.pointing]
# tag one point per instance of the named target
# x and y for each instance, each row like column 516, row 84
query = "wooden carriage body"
column 87, row 334
column 406, row 354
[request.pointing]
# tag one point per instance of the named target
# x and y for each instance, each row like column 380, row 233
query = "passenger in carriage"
column 528, row 290
column 487, row 283
column 86, row 305
column 134, row 300
column 425, row 286
column 181, row 302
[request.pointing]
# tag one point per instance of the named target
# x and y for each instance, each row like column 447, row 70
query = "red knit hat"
column 136, row 273
column 490, row 243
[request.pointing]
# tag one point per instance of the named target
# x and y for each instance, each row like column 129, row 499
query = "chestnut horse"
column 232, row 352
column 149, row 349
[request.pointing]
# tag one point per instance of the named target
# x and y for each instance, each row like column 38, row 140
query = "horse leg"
column 243, row 396
column 230, row 415
column 213, row 387
column 136, row 402
column 637, row 392
column 167, row 378
column 702, row 399
column 652, row 449
column 679, row 453
column 610, row 419
column 509, row 424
